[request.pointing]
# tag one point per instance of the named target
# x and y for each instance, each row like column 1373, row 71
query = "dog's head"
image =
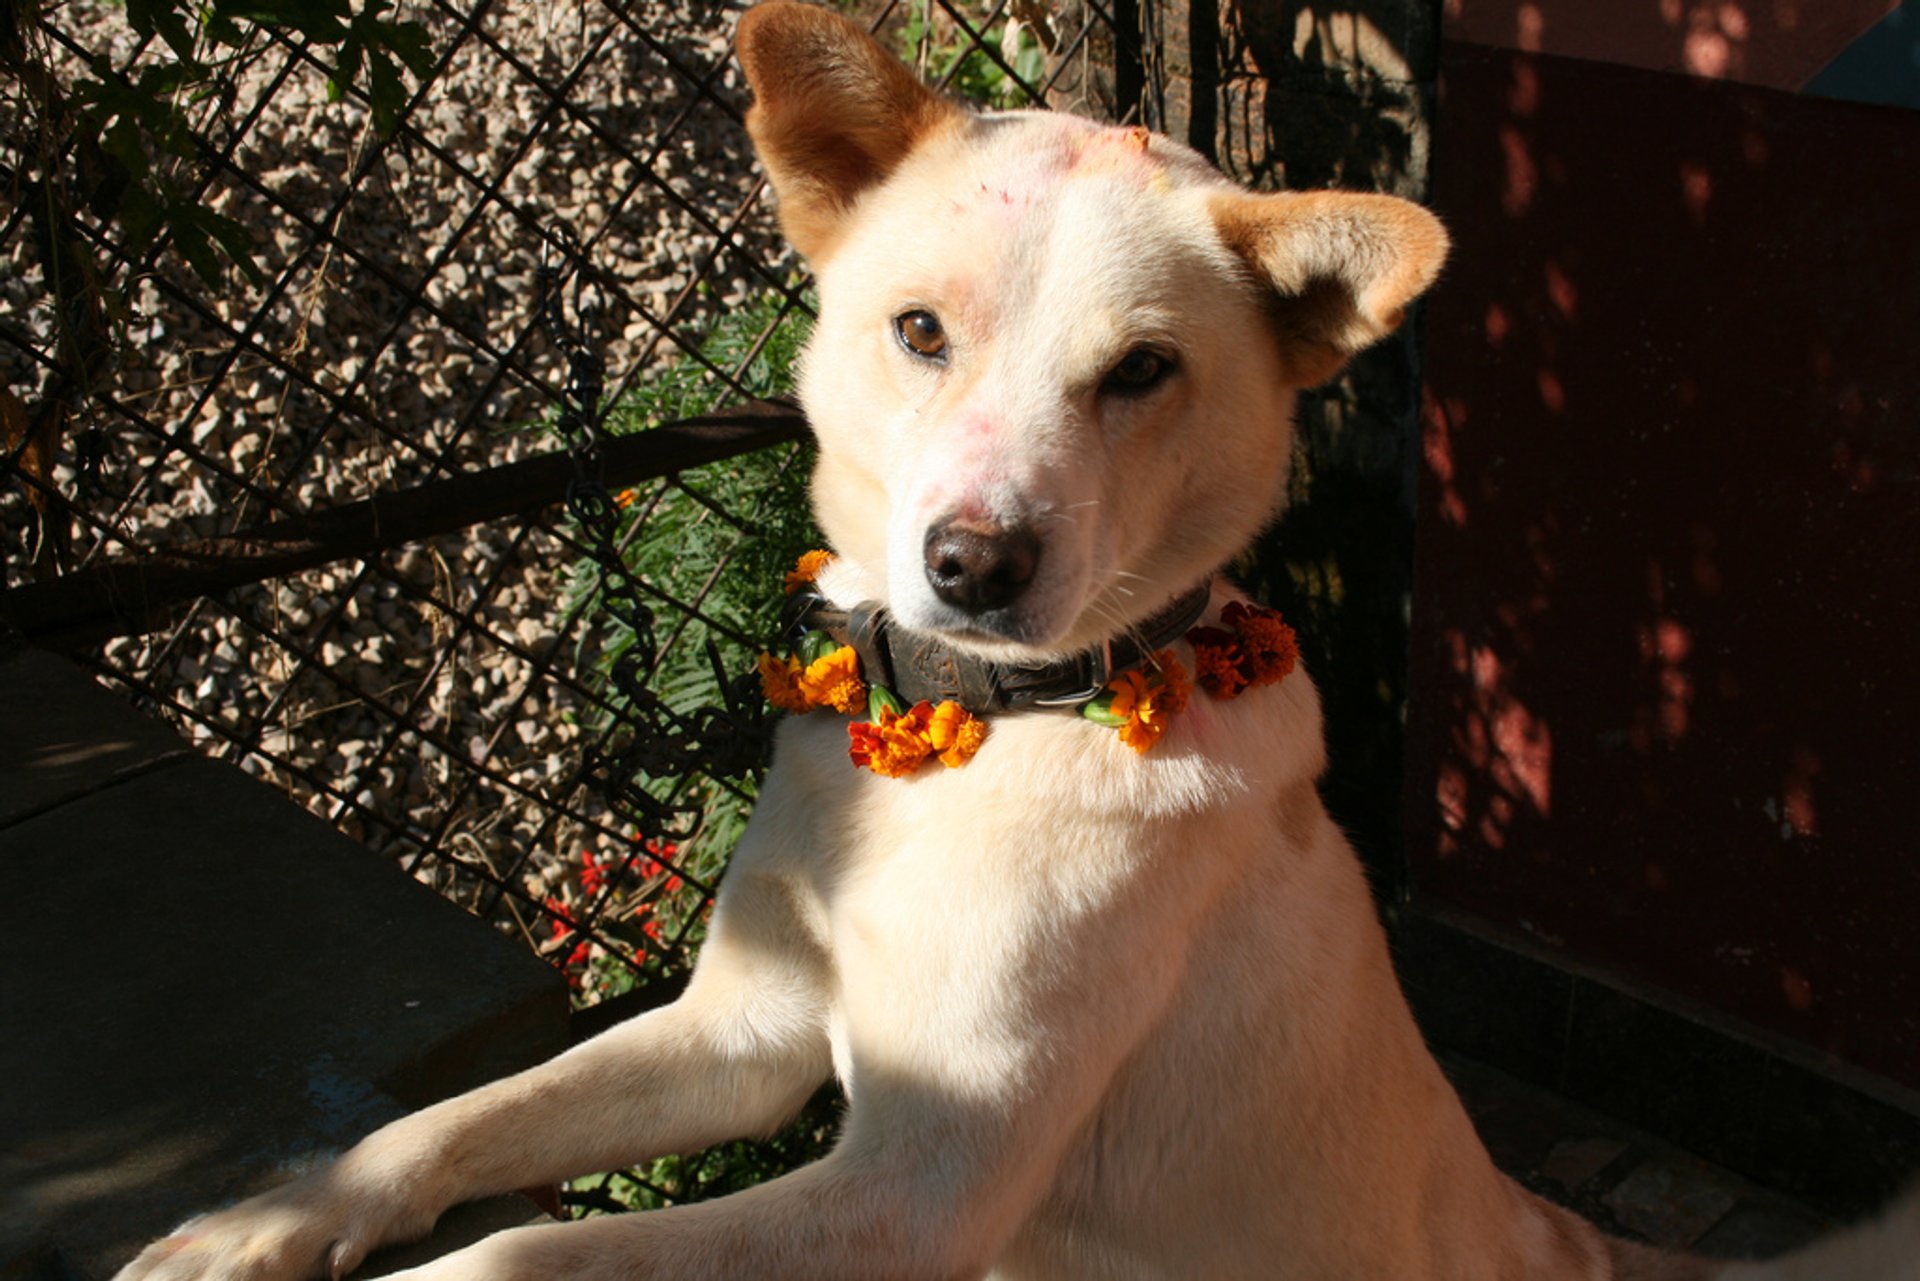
column 1054, row 370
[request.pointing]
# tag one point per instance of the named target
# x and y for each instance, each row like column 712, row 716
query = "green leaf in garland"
column 815, row 646
column 1100, row 711
column 879, row 697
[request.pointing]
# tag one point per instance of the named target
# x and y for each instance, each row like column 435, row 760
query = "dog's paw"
column 317, row 1227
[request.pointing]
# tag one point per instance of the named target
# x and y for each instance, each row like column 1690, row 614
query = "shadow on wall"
column 1327, row 98
column 1309, row 97
column 1665, row 710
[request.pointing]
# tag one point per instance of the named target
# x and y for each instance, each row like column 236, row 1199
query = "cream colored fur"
column 1097, row 1014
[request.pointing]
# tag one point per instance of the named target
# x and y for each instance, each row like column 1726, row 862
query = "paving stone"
column 1757, row 1231
column 1672, row 1202
column 1575, row 1155
column 1573, row 1162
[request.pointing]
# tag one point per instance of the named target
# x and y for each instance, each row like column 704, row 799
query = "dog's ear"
column 1343, row 266
column 833, row 113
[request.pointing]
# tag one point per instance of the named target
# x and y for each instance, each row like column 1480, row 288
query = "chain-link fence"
column 390, row 498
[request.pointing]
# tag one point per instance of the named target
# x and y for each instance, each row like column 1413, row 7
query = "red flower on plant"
column 562, row 928
column 596, row 872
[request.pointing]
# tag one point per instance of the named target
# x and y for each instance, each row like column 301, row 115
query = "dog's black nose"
column 978, row 567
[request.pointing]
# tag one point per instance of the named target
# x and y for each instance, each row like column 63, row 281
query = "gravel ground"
column 426, row 700
column 328, row 383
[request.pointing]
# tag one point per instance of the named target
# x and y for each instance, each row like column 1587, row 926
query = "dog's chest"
column 959, row 907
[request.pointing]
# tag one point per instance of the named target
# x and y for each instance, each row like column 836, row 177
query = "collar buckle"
column 1102, row 673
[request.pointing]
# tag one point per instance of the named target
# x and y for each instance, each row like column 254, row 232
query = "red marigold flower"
column 1269, row 646
column 1175, row 687
column 1256, row 647
column 1217, row 661
column 864, row 740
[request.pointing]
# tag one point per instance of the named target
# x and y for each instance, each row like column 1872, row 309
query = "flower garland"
column 1253, row 646
column 1141, row 702
column 894, row 740
column 897, row 741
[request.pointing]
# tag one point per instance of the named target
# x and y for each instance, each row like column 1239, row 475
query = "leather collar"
column 917, row 666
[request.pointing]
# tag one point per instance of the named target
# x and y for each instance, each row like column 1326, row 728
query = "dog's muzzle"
column 977, row 567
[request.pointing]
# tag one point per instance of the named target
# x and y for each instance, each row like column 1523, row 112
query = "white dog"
column 1109, row 999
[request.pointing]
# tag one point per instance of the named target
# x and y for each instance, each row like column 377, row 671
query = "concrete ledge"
column 208, row 989
column 64, row 735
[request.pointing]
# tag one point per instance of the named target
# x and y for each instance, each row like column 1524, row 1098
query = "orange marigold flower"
column 955, row 733
column 1148, row 701
column 807, row 569
column 1133, row 700
column 893, row 746
column 1268, row 645
column 833, row 680
column 780, row 682
column 1175, row 687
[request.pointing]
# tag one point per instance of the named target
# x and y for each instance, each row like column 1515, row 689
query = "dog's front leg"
column 737, row 1054
column 981, row 1018
column 833, row 1220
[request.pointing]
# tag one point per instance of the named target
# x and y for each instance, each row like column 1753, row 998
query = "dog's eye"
column 920, row 333
column 1139, row 371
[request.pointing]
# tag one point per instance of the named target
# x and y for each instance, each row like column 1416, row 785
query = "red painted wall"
column 1776, row 43
column 1666, row 689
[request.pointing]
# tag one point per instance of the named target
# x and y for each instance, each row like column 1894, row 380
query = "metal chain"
column 646, row 739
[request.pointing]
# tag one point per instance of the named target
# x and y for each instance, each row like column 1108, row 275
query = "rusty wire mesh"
column 437, row 686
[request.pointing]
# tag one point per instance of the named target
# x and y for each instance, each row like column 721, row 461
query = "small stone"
column 1573, row 1161
column 1671, row 1204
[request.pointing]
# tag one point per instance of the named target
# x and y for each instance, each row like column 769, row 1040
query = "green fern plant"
column 717, row 539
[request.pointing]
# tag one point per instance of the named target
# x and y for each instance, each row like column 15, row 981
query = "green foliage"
column 942, row 49
column 718, row 1171
column 719, row 538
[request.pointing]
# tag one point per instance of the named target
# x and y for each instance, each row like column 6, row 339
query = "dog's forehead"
column 1010, row 163
column 1017, row 192
column 1041, row 153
